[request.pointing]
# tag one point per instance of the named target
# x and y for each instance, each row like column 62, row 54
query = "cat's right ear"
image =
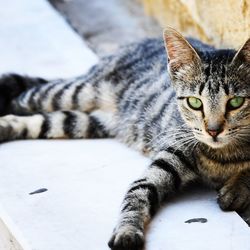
column 243, row 54
column 180, row 52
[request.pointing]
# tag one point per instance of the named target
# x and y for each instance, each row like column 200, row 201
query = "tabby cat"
column 189, row 112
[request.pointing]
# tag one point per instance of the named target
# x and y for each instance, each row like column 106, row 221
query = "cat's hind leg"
column 57, row 125
column 85, row 93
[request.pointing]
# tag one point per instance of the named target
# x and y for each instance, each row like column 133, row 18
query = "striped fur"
column 133, row 97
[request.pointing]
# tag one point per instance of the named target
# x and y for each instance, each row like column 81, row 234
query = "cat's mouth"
column 216, row 143
column 213, row 142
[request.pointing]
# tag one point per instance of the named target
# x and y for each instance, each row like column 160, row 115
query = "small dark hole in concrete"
column 41, row 190
column 200, row 220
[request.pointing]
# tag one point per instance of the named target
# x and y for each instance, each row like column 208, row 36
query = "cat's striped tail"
column 12, row 85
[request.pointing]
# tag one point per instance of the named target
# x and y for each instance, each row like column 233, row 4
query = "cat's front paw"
column 234, row 196
column 127, row 238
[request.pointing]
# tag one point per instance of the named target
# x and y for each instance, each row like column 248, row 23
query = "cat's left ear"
column 179, row 50
column 243, row 53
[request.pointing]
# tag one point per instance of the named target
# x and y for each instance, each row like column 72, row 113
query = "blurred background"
column 107, row 24
column 110, row 23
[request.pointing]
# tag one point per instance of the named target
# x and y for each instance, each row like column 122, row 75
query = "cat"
column 187, row 109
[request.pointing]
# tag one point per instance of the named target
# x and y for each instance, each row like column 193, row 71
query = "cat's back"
column 146, row 59
column 145, row 92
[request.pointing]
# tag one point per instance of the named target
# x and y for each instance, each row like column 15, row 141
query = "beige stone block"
column 223, row 23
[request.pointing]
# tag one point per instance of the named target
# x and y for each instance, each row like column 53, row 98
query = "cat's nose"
column 214, row 131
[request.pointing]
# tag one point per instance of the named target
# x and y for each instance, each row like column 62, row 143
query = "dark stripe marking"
column 153, row 197
column 77, row 90
column 44, row 94
column 169, row 168
column 184, row 160
column 31, row 102
column 201, row 88
column 45, row 128
column 56, row 102
column 69, row 123
column 24, row 133
column 140, row 180
column 181, row 97
column 96, row 129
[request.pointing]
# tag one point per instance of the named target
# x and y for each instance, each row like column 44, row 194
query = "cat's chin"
column 216, row 144
column 219, row 143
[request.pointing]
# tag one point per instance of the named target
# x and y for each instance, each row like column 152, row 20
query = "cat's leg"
column 85, row 93
column 12, row 85
column 235, row 194
column 59, row 124
column 81, row 94
column 170, row 172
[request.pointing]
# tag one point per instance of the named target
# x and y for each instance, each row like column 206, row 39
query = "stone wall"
column 223, row 23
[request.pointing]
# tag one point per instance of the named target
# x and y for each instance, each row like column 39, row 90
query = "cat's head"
column 212, row 88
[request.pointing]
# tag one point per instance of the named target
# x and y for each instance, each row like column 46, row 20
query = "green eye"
column 236, row 102
column 194, row 103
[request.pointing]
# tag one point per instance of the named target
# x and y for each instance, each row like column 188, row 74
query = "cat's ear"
column 243, row 53
column 179, row 50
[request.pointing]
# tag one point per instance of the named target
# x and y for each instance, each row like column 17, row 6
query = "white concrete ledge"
column 86, row 181
column 36, row 40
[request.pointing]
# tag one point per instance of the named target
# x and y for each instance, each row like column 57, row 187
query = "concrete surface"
column 84, row 194
column 35, row 40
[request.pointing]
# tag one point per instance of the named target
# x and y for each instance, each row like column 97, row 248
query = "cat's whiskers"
column 176, row 138
column 169, row 133
column 180, row 142
column 169, row 138
column 186, row 142
column 195, row 145
column 243, row 136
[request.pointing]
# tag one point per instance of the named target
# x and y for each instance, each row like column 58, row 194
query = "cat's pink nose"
column 213, row 133
column 214, row 129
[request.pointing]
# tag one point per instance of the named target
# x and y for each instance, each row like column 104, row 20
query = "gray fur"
column 133, row 97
